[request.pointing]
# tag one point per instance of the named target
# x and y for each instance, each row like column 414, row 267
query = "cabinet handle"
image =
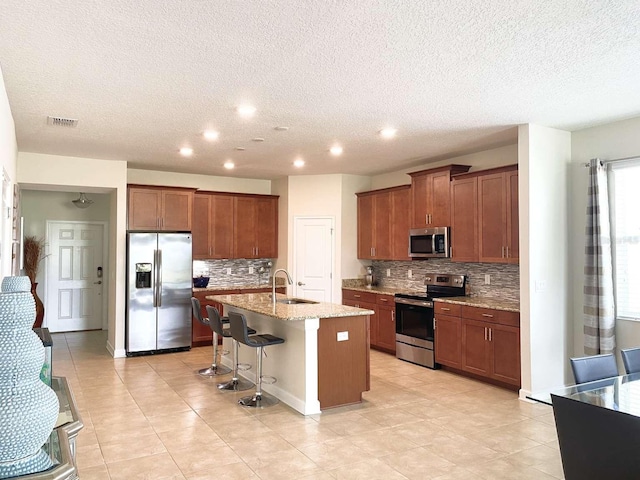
column 445, row 309
column 393, row 317
column 507, row 251
column 490, row 335
column 383, row 299
column 488, row 315
column 430, row 219
column 356, row 296
column 503, row 252
column 485, row 334
column 426, row 219
column 435, row 322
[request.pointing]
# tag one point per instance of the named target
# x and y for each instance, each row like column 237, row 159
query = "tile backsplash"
column 230, row 273
column 504, row 280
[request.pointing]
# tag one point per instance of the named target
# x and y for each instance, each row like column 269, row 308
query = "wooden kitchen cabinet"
column 431, row 197
column 498, row 216
column 256, row 226
column 447, row 334
column 464, row 221
column 159, row 208
column 213, row 229
column 386, row 327
column 383, row 232
column 367, row 300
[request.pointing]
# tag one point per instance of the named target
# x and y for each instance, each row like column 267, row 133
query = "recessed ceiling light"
column 229, row 164
column 298, row 163
column 246, row 110
column 388, row 132
column 281, row 129
column 186, row 151
column 240, row 149
column 336, row 150
column 211, row 135
column 257, row 139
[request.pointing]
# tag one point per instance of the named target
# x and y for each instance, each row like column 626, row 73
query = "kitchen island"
column 324, row 362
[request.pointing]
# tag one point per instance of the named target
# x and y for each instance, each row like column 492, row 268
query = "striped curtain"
column 599, row 308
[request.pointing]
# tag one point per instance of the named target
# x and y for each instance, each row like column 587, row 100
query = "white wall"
column 8, row 156
column 280, row 187
column 496, row 157
column 202, row 182
column 614, row 140
column 52, row 172
column 545, row 310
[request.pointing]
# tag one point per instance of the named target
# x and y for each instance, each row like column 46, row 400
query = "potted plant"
column 33, row 254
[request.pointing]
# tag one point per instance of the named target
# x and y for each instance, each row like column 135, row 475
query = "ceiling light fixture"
column 240, row 149
column 211, row 135
column 246, row 111
column 229, row 164
column 82, row 201
column 298, row 163
column 281, row 129
column 336, row 150
column 186, row 151
column 257, row 139
column 388, row 132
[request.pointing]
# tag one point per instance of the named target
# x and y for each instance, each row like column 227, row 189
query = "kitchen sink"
column 295, row 301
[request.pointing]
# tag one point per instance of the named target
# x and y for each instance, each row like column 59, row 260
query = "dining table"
column 598, row 426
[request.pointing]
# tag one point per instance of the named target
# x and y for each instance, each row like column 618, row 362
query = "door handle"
column 99, row 282
column 301, row 284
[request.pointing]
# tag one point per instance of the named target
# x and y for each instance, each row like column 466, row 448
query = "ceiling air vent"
column 62, row 122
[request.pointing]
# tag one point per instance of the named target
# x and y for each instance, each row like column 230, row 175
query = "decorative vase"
column 28, row 407
column 39, row 306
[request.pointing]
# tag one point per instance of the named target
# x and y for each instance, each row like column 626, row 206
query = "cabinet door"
column 144, row 209
column 382, row 226
column 267, row 228
column 513, row 227
column 386, row 334
column 505, row 353
column 419, row 187
column 365, row 227
column 492, row 218
column 440, row 197
column 222, row 228
column 400, row 220
column 448, row 341
column 475, row 347
column 244, row 245
column 464, row 221
column 177, row 210
column 373, row 319
column 201, row 230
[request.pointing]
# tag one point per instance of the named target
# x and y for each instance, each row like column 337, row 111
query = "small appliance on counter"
column 415, row 333
column 368, row 278
column 200, row 282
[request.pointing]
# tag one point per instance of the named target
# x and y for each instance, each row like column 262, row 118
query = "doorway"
column 75, row 276
column 313, row 252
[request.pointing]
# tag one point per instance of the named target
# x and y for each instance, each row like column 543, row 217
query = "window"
column 624, row 182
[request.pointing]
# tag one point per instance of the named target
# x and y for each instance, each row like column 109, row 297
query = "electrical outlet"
column 250, row 269
column 409, row 273
column 388, row 272
column 343, row 336
column 487, row 279
column 228, row 271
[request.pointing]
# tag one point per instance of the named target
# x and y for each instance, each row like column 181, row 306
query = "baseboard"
column 523, row 394
column 120, row 353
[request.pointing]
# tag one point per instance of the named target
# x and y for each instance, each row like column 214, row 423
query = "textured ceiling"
column 145, row 78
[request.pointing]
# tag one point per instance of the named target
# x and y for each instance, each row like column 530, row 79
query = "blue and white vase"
column 28, row 407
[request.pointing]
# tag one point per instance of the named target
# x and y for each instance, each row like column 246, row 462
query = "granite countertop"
column 484, row 302
column 261, row 303
column 383, row 290
column 253, row 286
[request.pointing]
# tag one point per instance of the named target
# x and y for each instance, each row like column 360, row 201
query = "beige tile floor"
column 154, row 417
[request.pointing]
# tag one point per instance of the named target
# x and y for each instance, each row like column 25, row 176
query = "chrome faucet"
column 273, row 283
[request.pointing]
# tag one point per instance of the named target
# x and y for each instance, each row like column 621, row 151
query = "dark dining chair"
column 596, row 367
column 631, row 359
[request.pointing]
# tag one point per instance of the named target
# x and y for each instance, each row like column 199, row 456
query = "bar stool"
column 236, row 384
column 240, row 333
column 215, row 369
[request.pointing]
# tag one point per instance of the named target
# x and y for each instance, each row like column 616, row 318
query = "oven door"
column 414, row 320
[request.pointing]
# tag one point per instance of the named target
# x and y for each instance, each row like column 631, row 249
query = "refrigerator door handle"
column 159, row 280
column 155, row 278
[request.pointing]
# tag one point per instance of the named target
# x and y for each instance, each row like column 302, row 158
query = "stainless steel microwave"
column 429, row 242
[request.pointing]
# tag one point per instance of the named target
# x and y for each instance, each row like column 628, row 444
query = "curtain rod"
column 613, row 160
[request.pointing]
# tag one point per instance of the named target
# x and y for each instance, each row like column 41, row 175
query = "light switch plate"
column 409, row 273
column 388, row 272
column 487, row 279
column 250, row 269
column 343, row 336
column 228, row 271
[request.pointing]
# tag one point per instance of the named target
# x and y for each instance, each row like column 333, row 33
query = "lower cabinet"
column 481, row 341
column 382, row 325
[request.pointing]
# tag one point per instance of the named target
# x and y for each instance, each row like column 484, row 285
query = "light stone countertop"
column 261, row 303
column 484, row 302
column 248, row 286
column 384, row 290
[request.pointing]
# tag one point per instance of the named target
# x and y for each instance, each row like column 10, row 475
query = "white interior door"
column 313, row 257
column 75, row 276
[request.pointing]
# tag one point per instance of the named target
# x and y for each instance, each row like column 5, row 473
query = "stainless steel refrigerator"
column 159, row 279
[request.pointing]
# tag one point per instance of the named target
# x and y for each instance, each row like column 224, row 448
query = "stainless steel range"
column 414, row 318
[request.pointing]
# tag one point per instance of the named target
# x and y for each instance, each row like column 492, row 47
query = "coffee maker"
column 368, row 278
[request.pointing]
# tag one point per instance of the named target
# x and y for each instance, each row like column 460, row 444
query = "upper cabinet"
column 484, row 216
column 212, row 225
column 431, row 196
column 255, row 226
column 383, row 224
column 160, row 208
